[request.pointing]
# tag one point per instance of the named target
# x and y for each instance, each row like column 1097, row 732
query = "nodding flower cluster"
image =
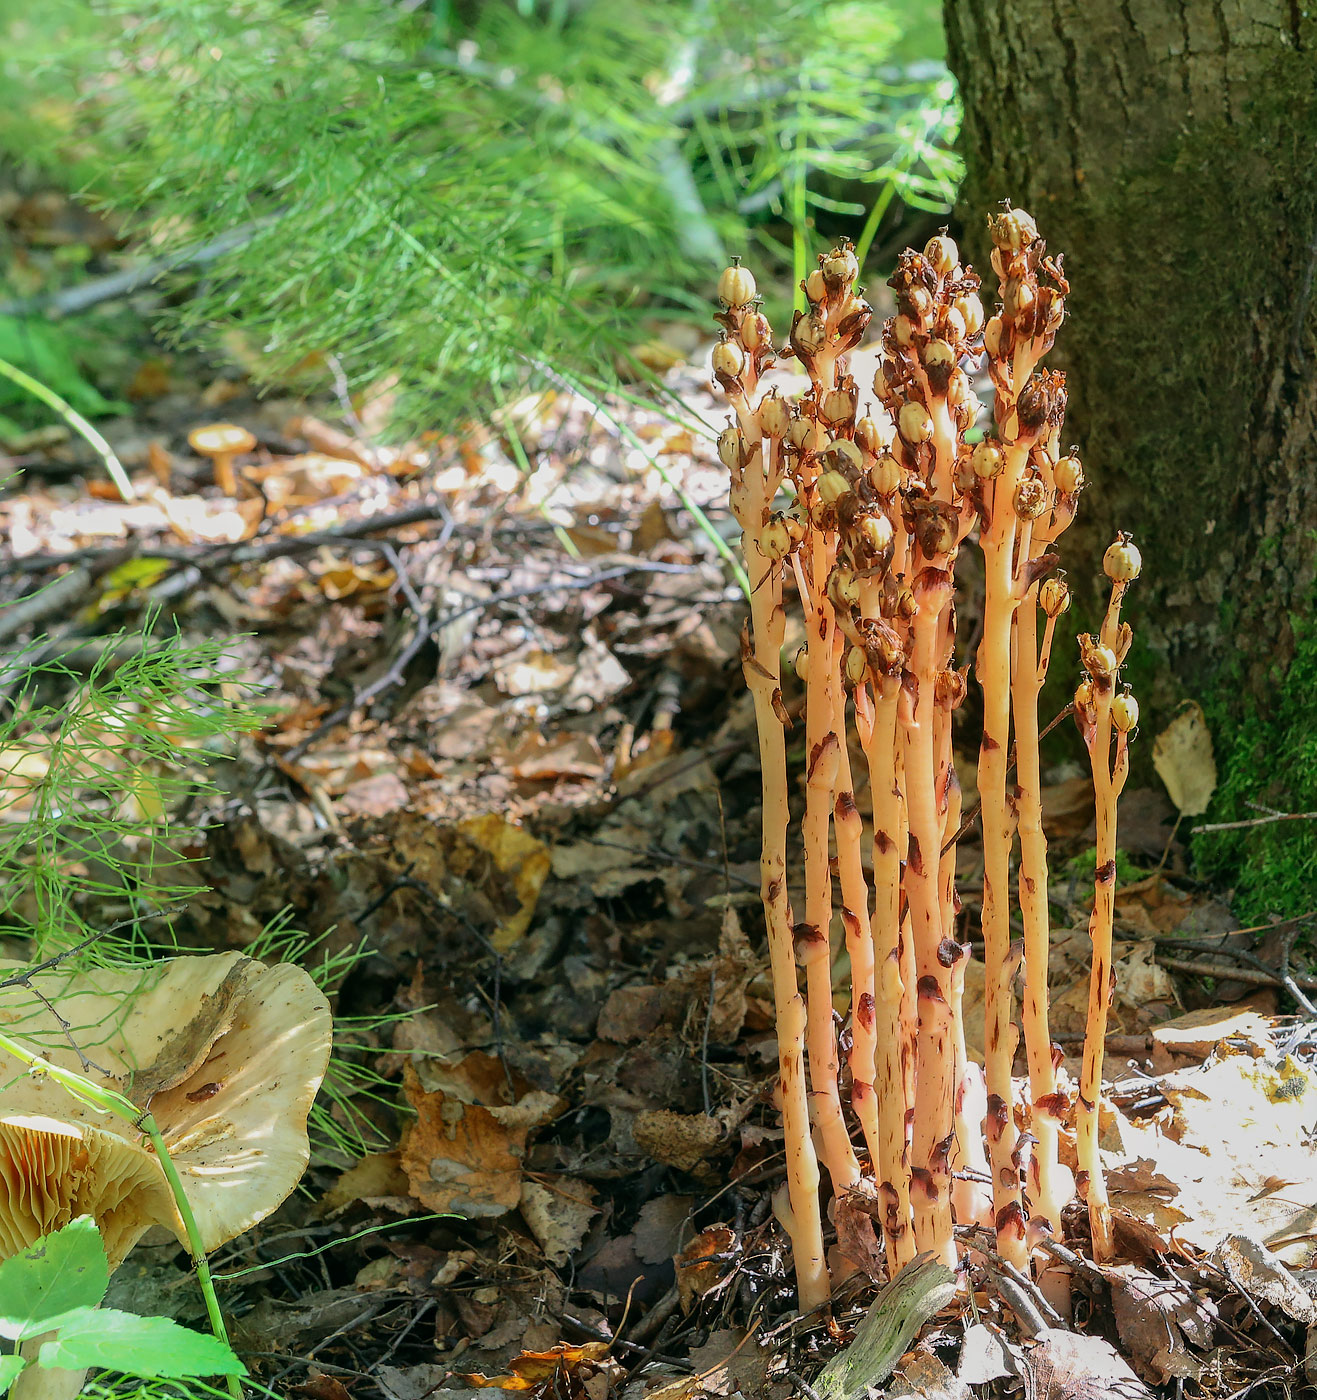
column 885, row 495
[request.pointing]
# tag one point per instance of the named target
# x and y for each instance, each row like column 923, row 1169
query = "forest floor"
column 505, row 775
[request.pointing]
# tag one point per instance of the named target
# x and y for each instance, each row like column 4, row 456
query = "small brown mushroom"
column 222, row 442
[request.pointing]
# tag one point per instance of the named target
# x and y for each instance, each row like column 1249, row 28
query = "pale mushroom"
column 222, row 442
column 227, row 1054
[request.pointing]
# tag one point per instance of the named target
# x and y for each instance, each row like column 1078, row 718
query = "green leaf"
column 153, row 1347
column 62, row 1271
column 10, row 1369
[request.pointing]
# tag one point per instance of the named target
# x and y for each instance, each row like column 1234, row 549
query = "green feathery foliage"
column 93, row 767
column 459, row 197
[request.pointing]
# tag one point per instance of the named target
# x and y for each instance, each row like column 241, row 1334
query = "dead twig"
column 1270, row 819
column 1254, row 976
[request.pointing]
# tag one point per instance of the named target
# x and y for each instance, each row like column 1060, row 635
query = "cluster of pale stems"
column 859, row 514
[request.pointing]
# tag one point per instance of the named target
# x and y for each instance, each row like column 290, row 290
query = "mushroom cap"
column 215, row 439
column 52, row 1172
column 228, row 1055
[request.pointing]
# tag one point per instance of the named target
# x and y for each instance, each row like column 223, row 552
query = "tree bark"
column 1169, row 149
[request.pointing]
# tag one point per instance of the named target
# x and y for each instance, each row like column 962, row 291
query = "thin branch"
column 1268, row 820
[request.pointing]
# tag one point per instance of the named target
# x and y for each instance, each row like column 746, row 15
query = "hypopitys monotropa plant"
column 857, row 511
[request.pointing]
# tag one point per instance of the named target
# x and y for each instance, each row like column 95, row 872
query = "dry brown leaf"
column 533, row 1368
column 558, row 1214
column 727, row 1364
column 1157, row 1320
column 517, row 854
column 1071, row 1366
column 1239, row 1126
column 1183, row 758
column 985, row 1355
column 1197, row 1033
column 1254, row 1268
column 532, row 672
column 566, row 755
column 377, row 1178
column 659, row 1229
column 701, row 1267
column 465, row 1157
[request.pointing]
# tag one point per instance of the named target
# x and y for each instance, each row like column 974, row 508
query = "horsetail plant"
column 877, row 501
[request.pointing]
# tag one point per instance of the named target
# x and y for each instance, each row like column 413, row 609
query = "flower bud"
column 917, row 304
column 815, row 287
column 970, row 309
column 1098, row 660
column 843, row 587
column 870, row 436
column 903, row 330
column 942, row 254
column 774, row 417
column 731, row 449
column 884, row 378
column 809, row 334
column 1012, row 229
column 1124, row 713
column 801, row 663
column 795, row 528
column 988, row 460
column 805, row 435
column 950, row 688
column 1017, row 298
column 877, row 533
column 936, row 533
column 842, row 454
column 913, row 422
column 1036, row 403
column 938, row 354
column 1122, row 561
column 1030, row 498
column 958, row 386
column 1054, row 596
column 951, row 325
column 885, row 475
column 755, row 331
column 736, row 286
column 832, row 486
column 775, row 540
column 727, row 359
column 857, row 667
column 840, row 266
column 992, row 337
column 1068, row 475
column 838, row 406
column 967, row 412
column 1084, row 697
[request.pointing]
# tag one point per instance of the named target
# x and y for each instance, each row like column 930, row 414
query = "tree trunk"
column 1169, row 149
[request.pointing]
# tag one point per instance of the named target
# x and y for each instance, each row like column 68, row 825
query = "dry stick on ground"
column 754, row 459
column 1102, row 713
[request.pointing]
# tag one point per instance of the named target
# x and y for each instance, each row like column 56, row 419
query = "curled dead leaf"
column 1183, row 758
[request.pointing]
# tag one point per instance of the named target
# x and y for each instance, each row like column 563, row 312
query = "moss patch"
column 1269, row 757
